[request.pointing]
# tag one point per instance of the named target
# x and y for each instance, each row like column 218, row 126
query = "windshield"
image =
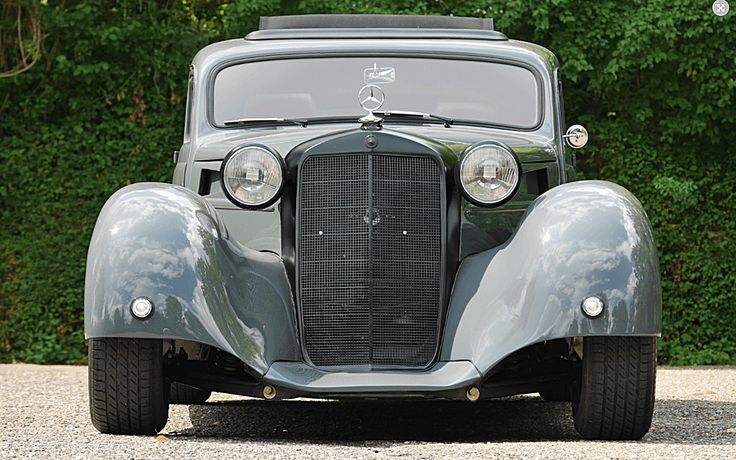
column 477, row 91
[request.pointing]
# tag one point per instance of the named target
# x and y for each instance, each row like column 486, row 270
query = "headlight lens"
column 488, row 174
column 253, row 176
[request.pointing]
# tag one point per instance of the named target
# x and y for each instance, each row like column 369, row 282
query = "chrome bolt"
column 269, row 392
column 141, row 307
column 473, row 394
column 593, row 306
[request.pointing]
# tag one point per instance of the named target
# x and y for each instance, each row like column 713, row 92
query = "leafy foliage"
column 103, row 107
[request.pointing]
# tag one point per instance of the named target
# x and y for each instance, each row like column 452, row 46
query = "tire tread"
column 615, row 395
column 127, row 390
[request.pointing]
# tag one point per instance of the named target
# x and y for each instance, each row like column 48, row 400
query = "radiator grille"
column 370, row 259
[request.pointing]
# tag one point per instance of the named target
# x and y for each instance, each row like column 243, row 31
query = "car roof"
column 340, row 26
column 373, row 21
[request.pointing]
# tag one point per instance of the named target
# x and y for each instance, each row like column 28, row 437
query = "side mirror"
column 576, row 136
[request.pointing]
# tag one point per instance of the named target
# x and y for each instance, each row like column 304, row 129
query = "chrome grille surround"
column 370, row 267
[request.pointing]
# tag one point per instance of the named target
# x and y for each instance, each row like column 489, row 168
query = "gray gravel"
column 44, row 414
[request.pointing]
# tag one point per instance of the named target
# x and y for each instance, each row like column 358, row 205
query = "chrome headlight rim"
column 238, row 150
column 466, row 154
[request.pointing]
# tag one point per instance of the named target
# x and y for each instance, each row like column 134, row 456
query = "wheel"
column 614, row 396
column 185, row 394
column 127, row 390
column 556, row 392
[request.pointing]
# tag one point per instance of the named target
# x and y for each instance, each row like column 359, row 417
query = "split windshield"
column 310, row 88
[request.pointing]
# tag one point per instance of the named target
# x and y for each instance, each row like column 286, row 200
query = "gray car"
column 374, row 207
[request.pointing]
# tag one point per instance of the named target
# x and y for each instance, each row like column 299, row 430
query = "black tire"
column 614, row 396
column 185, row 394
column 127, row 390
column 557, row 392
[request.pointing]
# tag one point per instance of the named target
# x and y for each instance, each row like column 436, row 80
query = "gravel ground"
column 44, row 414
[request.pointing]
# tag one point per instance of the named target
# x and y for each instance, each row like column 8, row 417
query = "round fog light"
column 141, row 307
column 593, row 306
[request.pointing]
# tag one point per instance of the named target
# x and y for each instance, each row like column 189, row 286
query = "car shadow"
column 523, row 418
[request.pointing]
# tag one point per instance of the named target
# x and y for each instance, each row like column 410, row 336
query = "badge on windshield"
column 377, row 75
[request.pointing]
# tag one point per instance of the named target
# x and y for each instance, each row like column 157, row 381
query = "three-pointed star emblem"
column 371, row 97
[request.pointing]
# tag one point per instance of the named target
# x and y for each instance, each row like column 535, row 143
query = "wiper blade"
column 265, row 121
column 426, row 116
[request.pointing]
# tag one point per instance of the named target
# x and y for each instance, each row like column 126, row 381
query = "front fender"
column 166, row 243
column 576, row 240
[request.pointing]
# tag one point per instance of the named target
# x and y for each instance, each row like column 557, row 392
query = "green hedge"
column 652, row 81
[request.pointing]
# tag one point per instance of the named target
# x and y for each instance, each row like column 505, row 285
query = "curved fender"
column 576, row 240
column 166, row 243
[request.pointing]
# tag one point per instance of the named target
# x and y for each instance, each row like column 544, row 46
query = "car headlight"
column 488, row 173
column 253, row 176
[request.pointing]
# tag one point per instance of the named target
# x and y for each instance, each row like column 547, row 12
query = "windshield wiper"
column 265, row 121
column 426, row 116
column 303, row 122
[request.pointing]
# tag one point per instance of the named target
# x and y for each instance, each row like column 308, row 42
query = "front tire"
column 127, row 390
column 614, row 396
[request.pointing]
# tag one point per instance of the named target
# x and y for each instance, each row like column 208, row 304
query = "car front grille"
column 369, row 259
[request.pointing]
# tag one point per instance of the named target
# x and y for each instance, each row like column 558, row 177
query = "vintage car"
column 374, row 207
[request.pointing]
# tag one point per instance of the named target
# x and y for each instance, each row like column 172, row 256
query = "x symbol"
column 720, row 7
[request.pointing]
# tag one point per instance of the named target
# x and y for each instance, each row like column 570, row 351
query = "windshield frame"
column 340, row 118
